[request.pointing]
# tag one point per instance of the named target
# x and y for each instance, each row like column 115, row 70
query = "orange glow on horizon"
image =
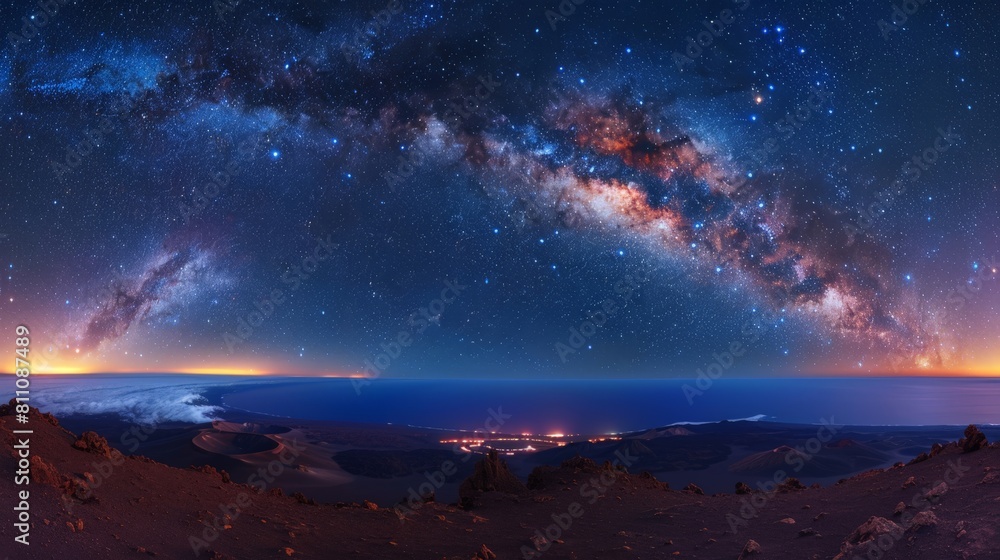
column 192, row 371
column 261, row 370
column 985, row 370
column 986, row 365
column 221, row 371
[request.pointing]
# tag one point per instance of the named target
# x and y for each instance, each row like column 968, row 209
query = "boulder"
column 937, row 491
column 694, row 489
column 923, row 519
column 752, row 548
column 540, row 543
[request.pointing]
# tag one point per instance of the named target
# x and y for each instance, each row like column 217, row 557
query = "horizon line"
column 235, row 373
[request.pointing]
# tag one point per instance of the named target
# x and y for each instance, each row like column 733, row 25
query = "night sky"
column 482, row 189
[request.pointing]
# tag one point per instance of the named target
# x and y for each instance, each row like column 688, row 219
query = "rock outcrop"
column 974, row 440
column 93, row 443
column 491, row 474
column 867, row 535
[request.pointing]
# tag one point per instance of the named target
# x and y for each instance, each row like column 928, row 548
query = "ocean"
column 529, row 406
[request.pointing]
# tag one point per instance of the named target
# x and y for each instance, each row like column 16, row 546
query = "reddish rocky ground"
column 87, row 501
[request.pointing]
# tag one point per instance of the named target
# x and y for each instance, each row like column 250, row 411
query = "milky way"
column 169, row 279
column 184, row 160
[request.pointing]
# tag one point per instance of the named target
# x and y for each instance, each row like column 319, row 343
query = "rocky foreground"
column 89, row 501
